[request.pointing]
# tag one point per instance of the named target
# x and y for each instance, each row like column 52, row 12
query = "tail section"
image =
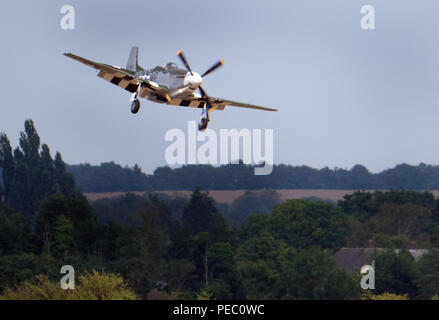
column 133, row 60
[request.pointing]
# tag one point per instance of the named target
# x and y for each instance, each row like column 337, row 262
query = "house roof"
column 352, row 259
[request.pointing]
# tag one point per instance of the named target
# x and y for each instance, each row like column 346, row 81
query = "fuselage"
column 176, row 82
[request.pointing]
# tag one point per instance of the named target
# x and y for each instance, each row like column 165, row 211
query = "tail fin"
column 133, row 60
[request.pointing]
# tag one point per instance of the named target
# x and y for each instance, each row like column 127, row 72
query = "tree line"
column 161, row 247
column 111, row 177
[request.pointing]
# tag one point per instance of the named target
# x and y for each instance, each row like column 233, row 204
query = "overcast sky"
column 345, row 95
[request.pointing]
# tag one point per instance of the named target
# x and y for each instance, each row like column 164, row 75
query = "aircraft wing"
column 123, row 78
column 224, row 102
column 195, row 101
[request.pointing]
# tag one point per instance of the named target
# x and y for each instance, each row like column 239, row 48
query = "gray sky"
column 345, row 95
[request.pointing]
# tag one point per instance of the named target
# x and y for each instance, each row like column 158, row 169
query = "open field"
column 228, row 196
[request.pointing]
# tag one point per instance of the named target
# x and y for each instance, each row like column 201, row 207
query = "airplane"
column 165, row 83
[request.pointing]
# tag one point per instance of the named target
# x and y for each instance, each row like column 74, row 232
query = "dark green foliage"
column 109, row 177
column 81, row 230
column 125, row 209
column 394, row 219
column 275, row 256
column 255, row 225
column 16, row 268
column 8, row 168
column 302, row 224
column 251, row 202
column 363, row 205
column 65, row 182
column 119, row 209
column 185, row 248
column 313, row 274
column 16, row 234
column 47, row 172
column 259, row 280
column 29, row 174
column 63, row 236
column 428, row 281
column 396, row 273
column 199, row 214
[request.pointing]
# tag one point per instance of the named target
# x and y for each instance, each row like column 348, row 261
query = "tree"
column 8, row 167
column 252, row 202
column 63, row 240
column 16, row 234
column 265, row 248
column 19, row 193
column 303, row 223
column 15, row 268
column 199, row 213
column 221, row 261
column 64, row 180
column 102, row 286
column 364, row 204
column 259, row 280
column 312, row 274
column 255, row 225
column 394, row 226
column 144, row 264
column 29, row 174
column 46, row 172
column 410, row 220
column 92, row 286
column 30, row 144
column 428, row 282
column 50, row 208
column 258, row 266
column 395, row 273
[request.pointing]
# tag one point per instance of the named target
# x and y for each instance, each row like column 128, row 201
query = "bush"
column 92, row 286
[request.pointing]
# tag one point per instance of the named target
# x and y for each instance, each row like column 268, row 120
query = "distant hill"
column 112, row 177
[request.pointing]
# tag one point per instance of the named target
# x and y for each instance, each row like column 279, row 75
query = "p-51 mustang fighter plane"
column 164, row 84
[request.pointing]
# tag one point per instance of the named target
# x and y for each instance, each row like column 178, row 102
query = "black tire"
column 203, row 124
column 135, row 106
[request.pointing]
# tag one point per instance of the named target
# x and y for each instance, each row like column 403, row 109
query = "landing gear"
column 135, row 103
column 205, row 118
column 203, row 124
column 135, row 106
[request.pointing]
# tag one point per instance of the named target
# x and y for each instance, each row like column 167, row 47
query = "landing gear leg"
column 205, row 118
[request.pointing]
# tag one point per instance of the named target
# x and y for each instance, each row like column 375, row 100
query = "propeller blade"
column 183, row 59
column 205, row 97
column 214, row 67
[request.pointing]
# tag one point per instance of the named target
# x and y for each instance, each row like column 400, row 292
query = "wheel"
column 203, row 124
column 135, row 106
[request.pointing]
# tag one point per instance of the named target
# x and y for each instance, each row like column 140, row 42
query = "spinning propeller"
column 204, row 95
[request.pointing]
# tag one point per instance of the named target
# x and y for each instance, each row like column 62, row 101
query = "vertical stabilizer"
column 133, row 60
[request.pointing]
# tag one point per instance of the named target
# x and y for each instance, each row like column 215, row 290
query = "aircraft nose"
column 193, row 79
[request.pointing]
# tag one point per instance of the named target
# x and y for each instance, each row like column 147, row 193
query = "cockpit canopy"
column 168, row 65
column 171, row 68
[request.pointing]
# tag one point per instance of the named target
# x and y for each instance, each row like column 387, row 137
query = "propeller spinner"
column 197, row 79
